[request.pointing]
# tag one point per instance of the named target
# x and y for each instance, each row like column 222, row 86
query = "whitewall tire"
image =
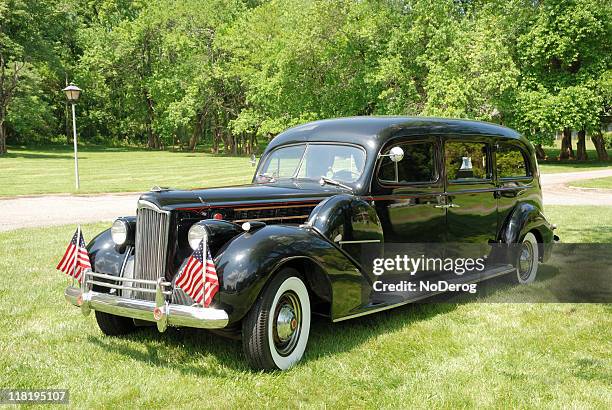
column 527, row 260
column 276, row 329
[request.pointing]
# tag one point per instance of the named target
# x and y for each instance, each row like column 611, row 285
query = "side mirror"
column 253, row 160
column 396, row 154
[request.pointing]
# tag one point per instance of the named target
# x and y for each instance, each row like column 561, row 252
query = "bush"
column 608, row 139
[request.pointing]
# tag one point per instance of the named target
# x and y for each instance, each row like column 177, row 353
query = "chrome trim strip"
column 503, row 271
column 120, row 279
column 176, row 315
column 111, row 286
column 361, row 241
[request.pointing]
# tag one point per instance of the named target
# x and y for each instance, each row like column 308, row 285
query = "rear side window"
column 466, row 161
column 511, row 161
column 417, row 166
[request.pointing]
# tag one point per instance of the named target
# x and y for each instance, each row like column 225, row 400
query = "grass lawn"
column 31, row 171
column 441, row 355
column 552, row 165
column 51, row 170
column 601, row 183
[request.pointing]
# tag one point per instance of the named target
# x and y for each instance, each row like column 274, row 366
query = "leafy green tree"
column 561, row 57
column 28, row 30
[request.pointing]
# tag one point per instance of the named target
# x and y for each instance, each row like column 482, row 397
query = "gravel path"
column 50, row 210
column 556, row 191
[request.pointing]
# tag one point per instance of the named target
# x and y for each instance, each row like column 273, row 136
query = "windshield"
column 342, row 163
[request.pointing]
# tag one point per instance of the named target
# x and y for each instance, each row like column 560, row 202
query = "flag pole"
column 76, row 253
column 204, row 257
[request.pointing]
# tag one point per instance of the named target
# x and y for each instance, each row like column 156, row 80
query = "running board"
column 493, row 273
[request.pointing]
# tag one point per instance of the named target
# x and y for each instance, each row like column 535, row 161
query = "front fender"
column 105, row 256
column 247, row 263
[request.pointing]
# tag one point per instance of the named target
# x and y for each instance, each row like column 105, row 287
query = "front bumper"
column 159, row 311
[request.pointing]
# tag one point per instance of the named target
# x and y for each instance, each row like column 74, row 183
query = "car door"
column 470, row 190
column 514, row 178
column 408, row 198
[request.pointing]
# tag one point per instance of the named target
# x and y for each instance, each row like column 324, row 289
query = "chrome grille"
column 151, row 248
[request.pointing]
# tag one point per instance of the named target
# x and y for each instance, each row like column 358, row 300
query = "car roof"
column 373, row 131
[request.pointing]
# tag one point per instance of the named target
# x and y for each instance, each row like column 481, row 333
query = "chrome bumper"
column 159, row 311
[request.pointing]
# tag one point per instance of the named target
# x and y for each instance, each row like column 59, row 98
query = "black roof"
column 373, row 131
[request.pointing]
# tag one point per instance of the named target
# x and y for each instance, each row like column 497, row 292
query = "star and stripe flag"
column 76, row 259
column 198, row 278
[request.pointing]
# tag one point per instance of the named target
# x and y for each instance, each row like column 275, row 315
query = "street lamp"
column 73, row 93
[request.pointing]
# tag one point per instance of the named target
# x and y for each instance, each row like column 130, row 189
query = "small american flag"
column 76, row 258
column 199, row 279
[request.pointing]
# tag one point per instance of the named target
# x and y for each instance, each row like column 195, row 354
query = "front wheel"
column 275, row 331
column 527, row 260
column 112, row 325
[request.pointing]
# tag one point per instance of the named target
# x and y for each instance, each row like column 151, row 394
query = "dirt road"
column 49, row 210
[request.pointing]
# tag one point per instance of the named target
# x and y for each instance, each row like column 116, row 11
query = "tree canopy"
column 230, row 73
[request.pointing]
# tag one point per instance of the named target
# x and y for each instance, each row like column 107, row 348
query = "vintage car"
column 289, row 244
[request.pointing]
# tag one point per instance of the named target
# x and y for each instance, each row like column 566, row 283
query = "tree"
column 562, row 55
column 27, row 30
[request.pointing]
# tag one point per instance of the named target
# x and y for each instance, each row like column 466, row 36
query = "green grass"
column 600, row 183
column 45, row 170
column 552, row 165
column 51, row 170
column 428, row 355
column 577, row 224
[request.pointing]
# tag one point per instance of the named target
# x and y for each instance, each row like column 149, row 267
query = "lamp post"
column 73, row 93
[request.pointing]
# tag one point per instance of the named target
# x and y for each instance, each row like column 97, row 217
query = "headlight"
column 119, row 232
column 196, row 233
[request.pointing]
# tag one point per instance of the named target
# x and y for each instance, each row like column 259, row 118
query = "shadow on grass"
column 576, row 164
column 177, row 348
column 29, row 155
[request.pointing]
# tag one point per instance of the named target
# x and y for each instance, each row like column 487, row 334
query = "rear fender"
column 528, row 218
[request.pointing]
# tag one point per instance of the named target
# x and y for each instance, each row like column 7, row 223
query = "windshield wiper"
column 325, row 180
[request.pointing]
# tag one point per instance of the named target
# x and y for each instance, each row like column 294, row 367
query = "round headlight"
column 196, row 234
column 119, row 231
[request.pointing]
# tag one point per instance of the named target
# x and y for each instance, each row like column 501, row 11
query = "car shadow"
column 179, row 348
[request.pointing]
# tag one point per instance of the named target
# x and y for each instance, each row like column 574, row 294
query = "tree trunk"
column 567, row 152
column 197, row 132
column 2, row 137
column 540, row 153
column 581, row 153
column 600, row 146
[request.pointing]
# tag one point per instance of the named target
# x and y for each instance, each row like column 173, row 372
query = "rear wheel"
column 112, row 325
column 275, row 331
column 527, row 260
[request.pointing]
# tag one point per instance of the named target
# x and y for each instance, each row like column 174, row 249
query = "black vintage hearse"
column 287, row 245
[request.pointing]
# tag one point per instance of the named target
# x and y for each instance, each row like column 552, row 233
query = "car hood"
column 276, row 193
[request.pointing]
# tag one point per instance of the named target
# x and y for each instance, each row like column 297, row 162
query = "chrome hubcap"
column 525, row 262
column 287, row 320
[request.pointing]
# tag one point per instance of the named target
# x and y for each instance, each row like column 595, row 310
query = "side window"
column 466, row 161
column 417, row 165
column 511, row 161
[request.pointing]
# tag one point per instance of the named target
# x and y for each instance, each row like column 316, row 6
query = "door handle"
column 445, row 206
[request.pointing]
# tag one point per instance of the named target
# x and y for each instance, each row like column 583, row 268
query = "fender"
column 105, row 256
column 247, row 262
column 352, row 225
column 525, row 218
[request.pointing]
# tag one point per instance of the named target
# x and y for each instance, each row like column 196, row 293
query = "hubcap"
column 287, row 320
column 525, row 262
